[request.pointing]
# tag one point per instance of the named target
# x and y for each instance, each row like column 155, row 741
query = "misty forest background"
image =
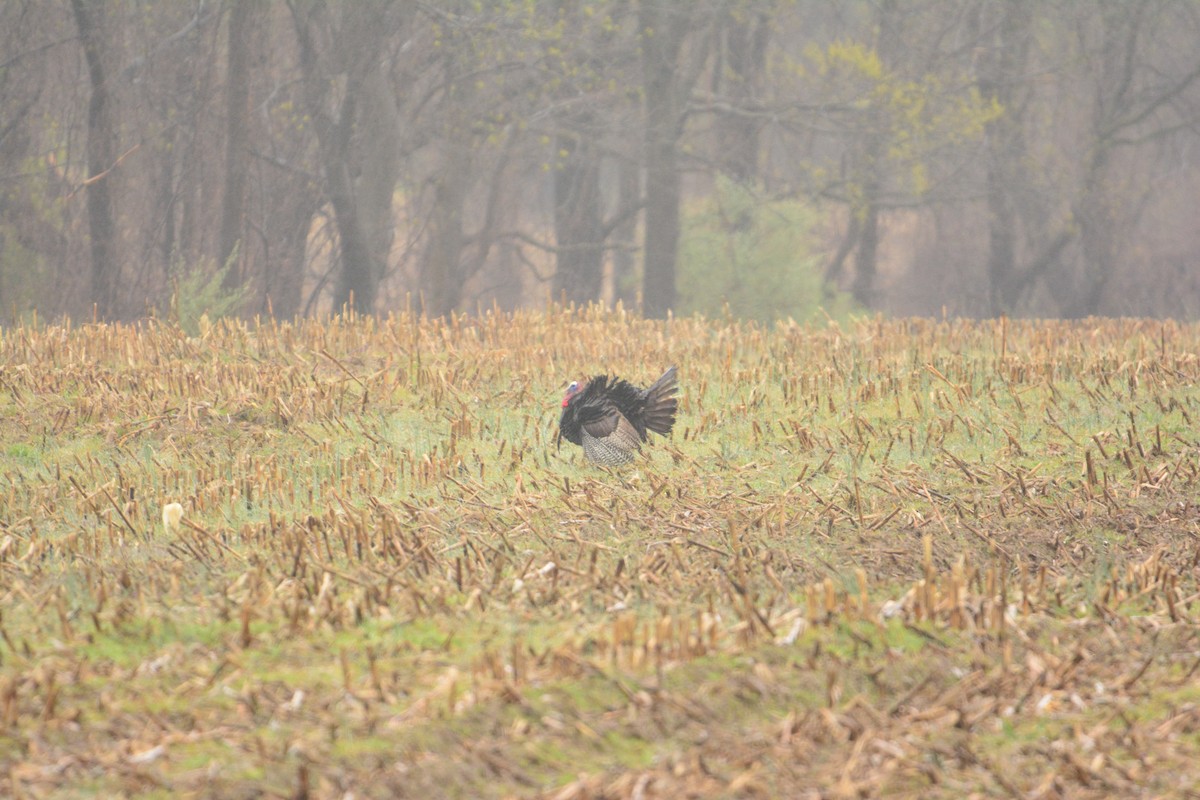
column 910, row 157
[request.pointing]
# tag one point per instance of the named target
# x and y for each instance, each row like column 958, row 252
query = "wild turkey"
column 610, row 418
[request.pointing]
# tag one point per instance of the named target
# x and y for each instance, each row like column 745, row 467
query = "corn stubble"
column 902, row 557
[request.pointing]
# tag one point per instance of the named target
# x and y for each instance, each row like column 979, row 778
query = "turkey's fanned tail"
column 659, row 412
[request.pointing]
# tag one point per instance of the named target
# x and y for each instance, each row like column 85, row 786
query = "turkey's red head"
column 572, row 390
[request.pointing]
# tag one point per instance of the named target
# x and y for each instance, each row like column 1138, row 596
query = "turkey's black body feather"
column 610, row 417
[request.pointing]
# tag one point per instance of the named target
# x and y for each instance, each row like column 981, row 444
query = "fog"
column 760, row 159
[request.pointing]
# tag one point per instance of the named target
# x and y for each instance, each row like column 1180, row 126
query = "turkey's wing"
column 615, row 428
column 603, row 422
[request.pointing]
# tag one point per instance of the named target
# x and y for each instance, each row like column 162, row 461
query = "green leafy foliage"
column 753, row 258
column 908, row 118
column 199, row 295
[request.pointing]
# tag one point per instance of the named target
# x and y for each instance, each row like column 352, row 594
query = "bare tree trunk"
column 443, row 268
column 102, row 156
column 378, row 163
column 578, row 226
column 285, row 263
column 1000, row 68
column 869, row 168
column 244, row 33
column 442, row 271
column 1099, row 233
column 354, row 53
column 1003, row 285
column 745, row 60
column 661, row 41
column 866, row 256
column 1103, row 210
column 356, row 283
column 628, row 196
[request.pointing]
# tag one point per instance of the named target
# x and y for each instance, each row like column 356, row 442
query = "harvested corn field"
column 903, row 559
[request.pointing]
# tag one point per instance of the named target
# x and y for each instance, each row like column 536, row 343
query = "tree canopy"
column 963, row 156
